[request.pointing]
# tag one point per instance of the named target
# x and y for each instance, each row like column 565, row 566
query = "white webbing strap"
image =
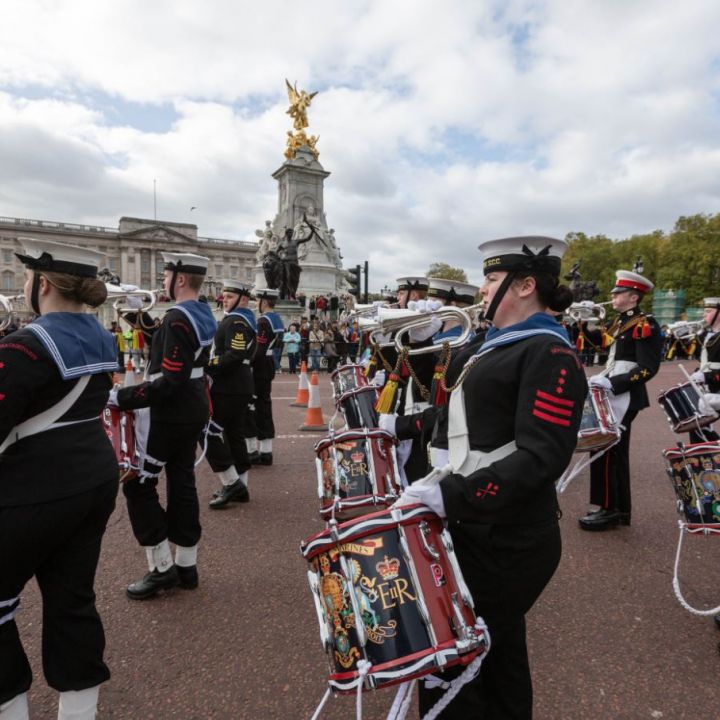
column 709, row 530
column 8, row 615
column 47, row 418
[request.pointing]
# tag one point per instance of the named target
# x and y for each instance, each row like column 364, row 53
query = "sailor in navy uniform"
column 633, row 360
column 171, row 409
column 231, row 391
column 513, row 423
column 270, row 330
column 59, row 477
column 709, row 370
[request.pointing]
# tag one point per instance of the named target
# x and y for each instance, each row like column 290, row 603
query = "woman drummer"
column 513, row 424
column 59, row 477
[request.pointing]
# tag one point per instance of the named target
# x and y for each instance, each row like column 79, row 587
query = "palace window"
column 8, row 280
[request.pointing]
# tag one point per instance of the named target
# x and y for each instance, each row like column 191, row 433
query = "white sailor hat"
column 265, row 293
column 237, row 287
column 186, row 263
column 452, row 290
column 414, row 282
column 711, row 302
column 532, row 252
column 627, row 280
column 58, row 257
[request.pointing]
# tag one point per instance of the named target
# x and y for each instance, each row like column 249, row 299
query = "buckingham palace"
column 132, row 250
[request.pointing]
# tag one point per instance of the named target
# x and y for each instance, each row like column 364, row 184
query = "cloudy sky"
column 441, row 123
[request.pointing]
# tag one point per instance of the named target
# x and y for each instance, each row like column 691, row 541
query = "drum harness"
column 48, row 419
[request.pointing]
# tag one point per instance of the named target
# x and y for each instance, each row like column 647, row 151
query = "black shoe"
column 717, row 621
column 152, row 583
column 266, row 458
column 188, row 576
column 228, row 493
column 625, row 518
column 600, row 520
column 254, row 458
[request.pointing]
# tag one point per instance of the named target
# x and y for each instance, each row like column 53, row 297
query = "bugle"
column 587, row 310
column 120, row 295
column 445, row 313
column 9, row 304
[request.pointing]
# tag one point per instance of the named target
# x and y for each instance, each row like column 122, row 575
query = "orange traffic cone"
column 303, row 392
column 313, row 416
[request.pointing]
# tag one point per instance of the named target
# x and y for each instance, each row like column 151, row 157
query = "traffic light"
column 353, row 276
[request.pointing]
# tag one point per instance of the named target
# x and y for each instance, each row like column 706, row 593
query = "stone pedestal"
column 300, row 192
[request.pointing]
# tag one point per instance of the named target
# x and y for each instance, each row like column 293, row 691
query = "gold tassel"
column 386, row 402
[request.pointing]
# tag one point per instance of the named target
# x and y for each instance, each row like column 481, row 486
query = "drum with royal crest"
column 346, row 378
column 357, row 473
column 388, row 590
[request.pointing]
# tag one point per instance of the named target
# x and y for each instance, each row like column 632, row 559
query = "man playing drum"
column 709, row 371
column 633, row 360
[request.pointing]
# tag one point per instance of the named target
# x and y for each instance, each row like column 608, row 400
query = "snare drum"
column 358, row 407
column 695, row 474
column 388, row 589
column 681, row 405
column 599, row 427
column 357, row 473
column 120, row 428
column 346, row 378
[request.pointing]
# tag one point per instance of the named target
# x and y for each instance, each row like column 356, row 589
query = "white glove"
column 429, row 495
column 698, row 376
column 710, row 400
column 379, row 378
column 426, row 331
column 387, row 422
column 112, row 398
column 600, row 381
column 417, row 305
column 432, row 305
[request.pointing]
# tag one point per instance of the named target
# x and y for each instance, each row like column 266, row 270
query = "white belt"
column 195, row 374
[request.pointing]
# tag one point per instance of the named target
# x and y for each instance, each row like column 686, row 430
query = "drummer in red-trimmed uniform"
column 633, row 360
column 58, row 477
column 513, row 423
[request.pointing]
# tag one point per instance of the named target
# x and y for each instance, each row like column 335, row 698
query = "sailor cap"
column 531, row 252
column 58, row 257
column 452, row 290
column 237, row 287
column 414, row 282
column 186, row 263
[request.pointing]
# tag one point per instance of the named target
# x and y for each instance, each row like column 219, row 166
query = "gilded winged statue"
column 299, row 103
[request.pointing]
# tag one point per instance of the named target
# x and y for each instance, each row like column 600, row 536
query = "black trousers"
column 174, row 445
column 506, row 568
column 58, row 542
column 230, row 412
column 610, row 475
column 263, row 409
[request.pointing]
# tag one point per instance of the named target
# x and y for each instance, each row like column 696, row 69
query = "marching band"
column 476, row 412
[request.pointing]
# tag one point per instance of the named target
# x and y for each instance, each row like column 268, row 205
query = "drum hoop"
column 356, row 391
column 366, row 525
column 682, row 452
column 355, row 434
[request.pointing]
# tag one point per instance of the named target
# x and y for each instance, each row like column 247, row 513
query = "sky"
column 442, row 124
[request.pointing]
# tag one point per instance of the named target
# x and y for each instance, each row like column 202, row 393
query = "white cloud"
column 441, row 125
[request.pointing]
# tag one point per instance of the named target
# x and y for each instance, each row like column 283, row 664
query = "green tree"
column 447, row 272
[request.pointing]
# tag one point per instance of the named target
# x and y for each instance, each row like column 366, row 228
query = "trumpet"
column 686, row 329
column 10, row 304
column 147, row 298
column 445, row 313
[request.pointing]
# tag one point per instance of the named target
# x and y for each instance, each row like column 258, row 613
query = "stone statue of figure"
column 282, row 268
column 268, row 241
column 299, row 103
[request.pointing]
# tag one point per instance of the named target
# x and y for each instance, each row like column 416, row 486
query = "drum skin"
column 392, row 568
column 357, row 473
column 694, row 471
